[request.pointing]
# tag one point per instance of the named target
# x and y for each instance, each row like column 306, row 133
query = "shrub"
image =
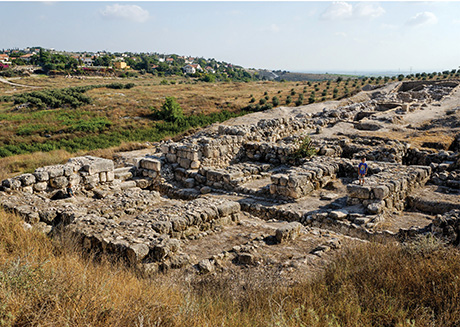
column 171, row 111
column 275, row 101
column 306, row 149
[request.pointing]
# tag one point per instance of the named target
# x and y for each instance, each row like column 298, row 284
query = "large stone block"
column 59, row 182
column 358, row 191
column 98, row 165
column 27, row 179
column 136, row 252
column 53, row 171
column 41, row 176
column 381, row 192
column 40, row 187
column 288, row 232
column 151, row 164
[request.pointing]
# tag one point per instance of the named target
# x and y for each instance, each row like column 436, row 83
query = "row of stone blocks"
column 88, row 171
column 300, row 181
column 388, row 189
column 270, row 152
column 161, row 237
column 228, row 179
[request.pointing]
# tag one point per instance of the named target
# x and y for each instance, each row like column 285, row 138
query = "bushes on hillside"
column 72, row 96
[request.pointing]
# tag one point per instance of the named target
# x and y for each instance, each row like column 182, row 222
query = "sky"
column 316, row 36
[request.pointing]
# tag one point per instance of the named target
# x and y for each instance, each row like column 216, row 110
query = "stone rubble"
column 147, row 210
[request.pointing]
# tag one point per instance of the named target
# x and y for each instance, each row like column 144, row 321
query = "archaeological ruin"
column 240, row 193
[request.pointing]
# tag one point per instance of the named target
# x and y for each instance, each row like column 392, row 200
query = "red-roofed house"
column 4, row 58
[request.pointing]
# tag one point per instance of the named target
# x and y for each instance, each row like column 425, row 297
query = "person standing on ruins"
column 70, row 190
column 362, row 170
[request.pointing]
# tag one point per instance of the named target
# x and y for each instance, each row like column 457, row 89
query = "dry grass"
column 14, row 165
column 47, row 283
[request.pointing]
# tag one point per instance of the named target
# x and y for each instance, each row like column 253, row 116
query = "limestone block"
column 28, row 189
column 246, row 258
column 160, row 252
column 136, row 252
column 152, row 174
column 205, row 266
column 91, row 179
column 381, row 192
column 98, row 165
column 358, row 191
column 179, row 224
column 11, row 183
column 189, row 182
column 103, row 177
column 164, row 148
column 68, row 170
column 375, row 207
column 338, row 214
column 127, row 184
column 205, row 190
column 195, row 164
column 27, row 179
column 162, row 227
column 75, row 179
column 40, row 187
column 184, row 163
column 41, row 176
column 59, row 182
column 283, row 180
column 54, row 171
column 143, row 182
column 110, row 176
column 151, row 164
column 288, row 232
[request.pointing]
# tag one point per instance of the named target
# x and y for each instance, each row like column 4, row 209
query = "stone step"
column 124, row 173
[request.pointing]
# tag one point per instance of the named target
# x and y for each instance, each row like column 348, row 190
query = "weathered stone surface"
column 338, row 214
column 97, row 165
column 136, row 252
column 27, row 179
column 357, row 191
column 381, row 192
column 41, row 175
column 152, row 164
column 205, row 266
column 59, row 182
column 288, row 232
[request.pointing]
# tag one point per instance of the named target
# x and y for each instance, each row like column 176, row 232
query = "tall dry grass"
column 47, row 282
column 13, row 165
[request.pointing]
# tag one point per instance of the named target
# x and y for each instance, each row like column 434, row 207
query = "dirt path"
column 2, row 80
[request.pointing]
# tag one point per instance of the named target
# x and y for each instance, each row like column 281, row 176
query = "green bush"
column 306, row 149
column 170, row 111
column 120, row 86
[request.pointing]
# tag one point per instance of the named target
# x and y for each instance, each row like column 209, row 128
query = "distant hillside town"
column 38, row 60
column 126, row 64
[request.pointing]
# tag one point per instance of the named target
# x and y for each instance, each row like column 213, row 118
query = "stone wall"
column 82, row 172
column 300, row 181
column 153, row 238
column 388, row 189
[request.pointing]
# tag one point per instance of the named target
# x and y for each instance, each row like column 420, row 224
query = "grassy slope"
column 125, row 115
column 47, row 283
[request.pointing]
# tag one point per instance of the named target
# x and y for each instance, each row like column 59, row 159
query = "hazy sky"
column 298, row 36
